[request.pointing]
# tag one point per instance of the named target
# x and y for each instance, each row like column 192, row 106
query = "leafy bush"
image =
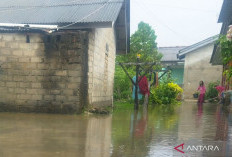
column 165, row 93
column 122, row 84
column 225, row 45
column 211, row 91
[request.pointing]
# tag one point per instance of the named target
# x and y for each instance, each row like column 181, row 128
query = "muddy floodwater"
column 125, row 133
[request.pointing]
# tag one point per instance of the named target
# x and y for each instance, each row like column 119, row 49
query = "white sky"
column 178, row 22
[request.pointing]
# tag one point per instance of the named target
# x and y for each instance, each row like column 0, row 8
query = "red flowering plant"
column 220, row 89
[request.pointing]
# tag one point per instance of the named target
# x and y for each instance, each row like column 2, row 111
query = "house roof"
column 226, row 11
column 59, row 12
column 216, row 58
column 196, row 46
column 170, row 53
column 39, row 15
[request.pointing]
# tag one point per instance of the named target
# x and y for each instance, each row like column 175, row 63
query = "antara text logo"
column 197, row 148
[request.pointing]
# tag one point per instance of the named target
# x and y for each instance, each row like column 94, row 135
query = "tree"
column 143, row 41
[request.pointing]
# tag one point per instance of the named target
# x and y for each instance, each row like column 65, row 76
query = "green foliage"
column 166, row 93
column 122, row 84
column 143, row 42
column 226, row 52
column 211, row 91
column 226, row 49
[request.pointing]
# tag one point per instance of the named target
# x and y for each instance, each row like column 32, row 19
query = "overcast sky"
column 178, row 22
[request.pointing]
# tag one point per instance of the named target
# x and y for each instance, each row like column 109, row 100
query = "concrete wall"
column 197, row 68
column 102, row 51
column 45, row 75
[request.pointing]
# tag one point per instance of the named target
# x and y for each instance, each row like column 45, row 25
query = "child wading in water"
column 201, row 88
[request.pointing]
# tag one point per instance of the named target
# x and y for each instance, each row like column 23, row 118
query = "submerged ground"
column 146, row 133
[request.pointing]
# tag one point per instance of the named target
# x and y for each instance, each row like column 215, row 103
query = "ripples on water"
column 125, row 133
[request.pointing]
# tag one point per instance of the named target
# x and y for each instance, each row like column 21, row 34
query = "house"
column 59, row 56
column 197, row 65
column 226, row 20
column 176, row 65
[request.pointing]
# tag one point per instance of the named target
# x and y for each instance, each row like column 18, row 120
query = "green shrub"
column 165, row 93
column 211, row 91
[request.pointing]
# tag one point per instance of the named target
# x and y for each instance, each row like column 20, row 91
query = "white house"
column 197, row 65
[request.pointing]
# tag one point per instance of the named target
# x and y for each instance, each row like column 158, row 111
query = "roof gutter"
column 47, row 28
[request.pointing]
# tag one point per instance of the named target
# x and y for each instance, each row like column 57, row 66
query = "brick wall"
column 102, row 51
column 45, row 75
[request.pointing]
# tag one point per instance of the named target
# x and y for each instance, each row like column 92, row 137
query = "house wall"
column 45, row 75
column 101, row 66
column 197, row 68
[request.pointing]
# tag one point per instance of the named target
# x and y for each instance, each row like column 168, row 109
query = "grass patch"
column 123, row 105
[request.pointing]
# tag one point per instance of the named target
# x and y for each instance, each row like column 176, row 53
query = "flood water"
column 125, row 133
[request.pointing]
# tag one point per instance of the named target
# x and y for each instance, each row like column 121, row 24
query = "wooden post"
column 157, row 79
column 136, row 107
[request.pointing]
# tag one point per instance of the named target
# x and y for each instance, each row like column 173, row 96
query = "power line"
column 95, row 11
column 163, row 23
column 86, row 16
column 45, row 5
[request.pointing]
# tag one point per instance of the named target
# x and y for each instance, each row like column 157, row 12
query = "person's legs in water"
column 201, row 98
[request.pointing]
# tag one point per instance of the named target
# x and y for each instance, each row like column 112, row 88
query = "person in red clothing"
column 202, row 90
column 144, row 89
column 220, row 90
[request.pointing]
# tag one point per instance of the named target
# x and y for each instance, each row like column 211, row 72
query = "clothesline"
column 148, row 63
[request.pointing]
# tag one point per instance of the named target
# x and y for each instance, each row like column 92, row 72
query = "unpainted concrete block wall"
column 44, row 75
column 102, row 52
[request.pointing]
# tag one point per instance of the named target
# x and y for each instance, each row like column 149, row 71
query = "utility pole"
column 136, row 107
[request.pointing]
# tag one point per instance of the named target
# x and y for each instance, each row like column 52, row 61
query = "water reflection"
column 45, row 135
column 223, row 121
column 98, row 139
column 139, row 123
column 149, row 132
column 149, row 129
column 199, row 114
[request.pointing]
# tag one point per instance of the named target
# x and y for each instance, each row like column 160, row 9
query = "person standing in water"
column 144, row 89
column 202, row 90
column 140, row 96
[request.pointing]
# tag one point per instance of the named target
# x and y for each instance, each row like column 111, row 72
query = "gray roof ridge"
column 83, row 13
column 172, row 46
column 60, row 5
column 198, row 45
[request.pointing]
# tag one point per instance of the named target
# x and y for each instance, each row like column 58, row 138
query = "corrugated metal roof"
column 196, row 46
column 226, row 11
column 170, row 53
column 216, row 58
column 58, row 11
